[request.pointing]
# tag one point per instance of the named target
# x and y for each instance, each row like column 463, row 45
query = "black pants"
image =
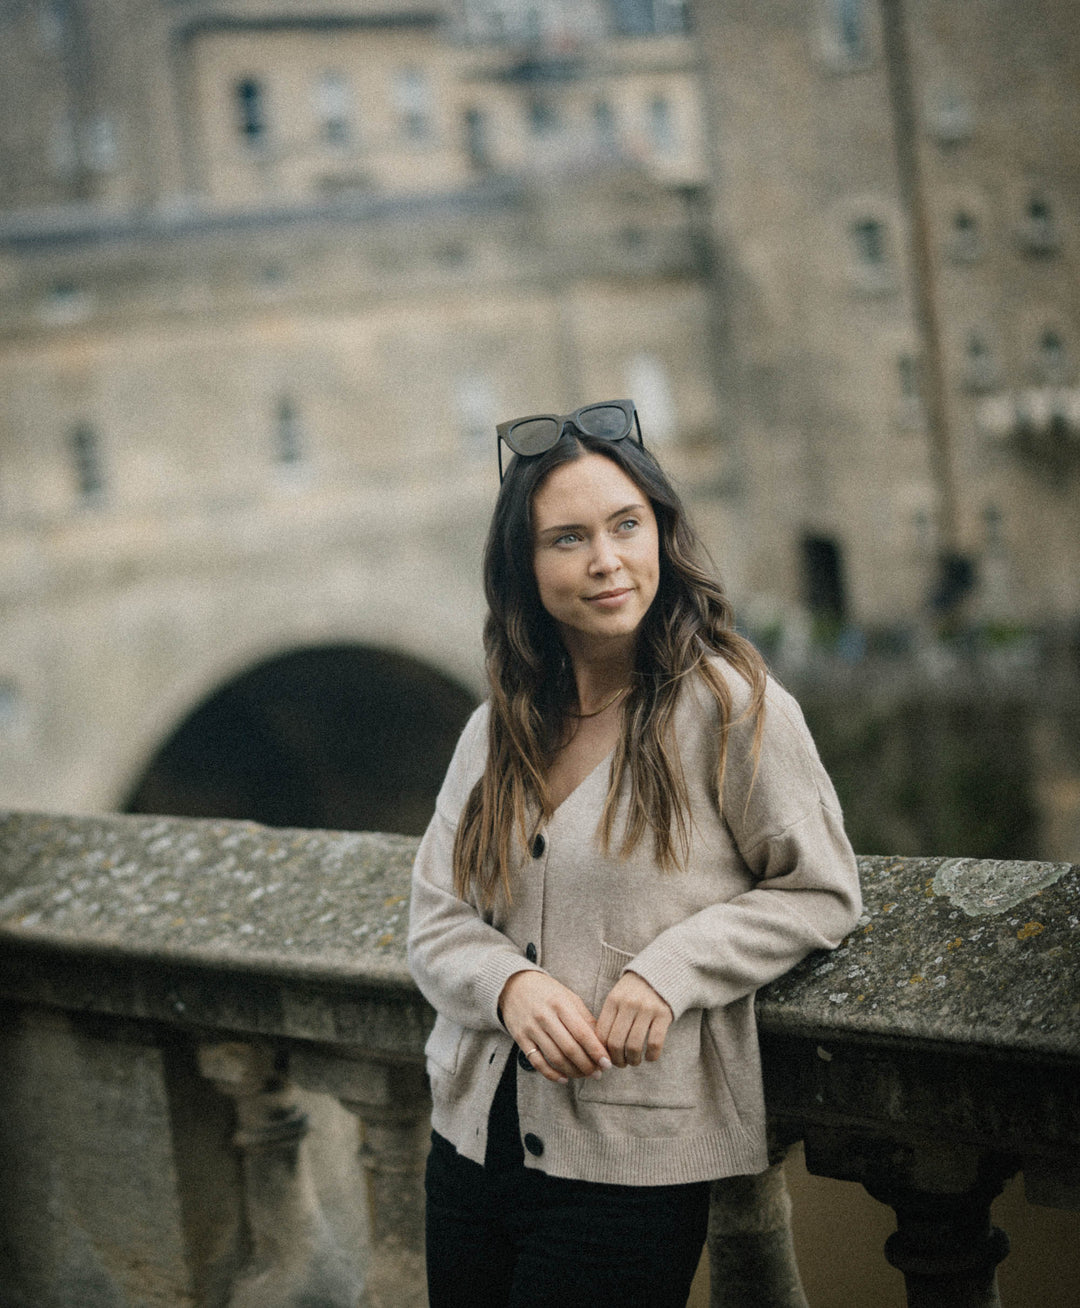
column 507, row 1236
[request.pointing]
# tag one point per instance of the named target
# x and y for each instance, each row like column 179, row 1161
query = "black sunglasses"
column 611, row 420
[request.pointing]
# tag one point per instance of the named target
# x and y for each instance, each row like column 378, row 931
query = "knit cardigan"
column 770, row 876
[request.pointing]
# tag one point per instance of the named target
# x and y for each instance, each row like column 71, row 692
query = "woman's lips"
column 609, row 598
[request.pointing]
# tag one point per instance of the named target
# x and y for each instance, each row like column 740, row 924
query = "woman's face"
column 596, row 554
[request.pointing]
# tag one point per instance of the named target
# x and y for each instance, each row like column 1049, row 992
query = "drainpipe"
column 913, row 192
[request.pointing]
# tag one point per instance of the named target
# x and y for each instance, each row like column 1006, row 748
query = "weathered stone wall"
column 169, row 985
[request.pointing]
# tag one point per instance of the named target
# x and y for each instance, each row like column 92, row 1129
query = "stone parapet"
column 180, row 998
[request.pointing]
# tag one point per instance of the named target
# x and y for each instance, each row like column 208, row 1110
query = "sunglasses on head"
column 611, row 420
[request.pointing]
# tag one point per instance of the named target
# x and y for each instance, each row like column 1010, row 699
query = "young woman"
column 635, row 833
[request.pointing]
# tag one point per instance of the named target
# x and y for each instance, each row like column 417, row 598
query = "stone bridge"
column 196, row 1012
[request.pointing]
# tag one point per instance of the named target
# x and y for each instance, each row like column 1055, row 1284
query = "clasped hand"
column 561, row 1038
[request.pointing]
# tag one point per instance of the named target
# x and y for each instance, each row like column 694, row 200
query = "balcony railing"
column 180, row 996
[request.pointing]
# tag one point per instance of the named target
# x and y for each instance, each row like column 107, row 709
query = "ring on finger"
column 534, row 1050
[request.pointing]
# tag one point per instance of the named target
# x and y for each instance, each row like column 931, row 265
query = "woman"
column 634, row 834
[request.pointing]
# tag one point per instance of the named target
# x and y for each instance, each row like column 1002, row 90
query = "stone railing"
column 195, row 1013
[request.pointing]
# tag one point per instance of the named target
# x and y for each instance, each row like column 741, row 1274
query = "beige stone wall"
column 804, row 146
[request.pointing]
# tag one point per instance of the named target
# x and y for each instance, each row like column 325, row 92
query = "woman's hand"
column 552, row 1027
column 634, row 1021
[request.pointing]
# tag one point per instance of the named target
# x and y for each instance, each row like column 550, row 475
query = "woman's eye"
column 628, row 524
column 569, row 539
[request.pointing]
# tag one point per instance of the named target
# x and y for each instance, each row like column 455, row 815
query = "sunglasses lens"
column 533, row 437
column 605, row 420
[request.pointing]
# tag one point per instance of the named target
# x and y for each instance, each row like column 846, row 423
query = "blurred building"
column 896, row 191
column 271, row 269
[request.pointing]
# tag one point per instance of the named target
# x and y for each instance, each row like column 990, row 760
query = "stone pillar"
column 751, row 1253
column 393, row 1104
column 294, row 1260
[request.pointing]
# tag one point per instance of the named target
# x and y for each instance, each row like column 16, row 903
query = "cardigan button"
column 530, row 952
column 538, row 845
column 534, row 1144
column 524, row 1063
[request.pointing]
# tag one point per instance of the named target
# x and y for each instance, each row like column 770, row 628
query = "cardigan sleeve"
column 784, row 818
column 459, row 961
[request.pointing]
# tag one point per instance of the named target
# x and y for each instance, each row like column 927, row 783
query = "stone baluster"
column 945, row 1244
column 751, row 1253
column 294, row 1261
column 393, row 1104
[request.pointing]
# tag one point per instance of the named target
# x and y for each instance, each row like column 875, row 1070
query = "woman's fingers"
column 544, row 1015
column 634, row 1021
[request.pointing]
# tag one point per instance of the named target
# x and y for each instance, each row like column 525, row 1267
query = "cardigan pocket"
column 672, row 1080
column 443, row 1048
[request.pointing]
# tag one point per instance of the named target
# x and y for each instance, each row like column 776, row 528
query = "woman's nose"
column 604, row 558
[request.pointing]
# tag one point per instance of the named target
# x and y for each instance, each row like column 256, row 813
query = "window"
column 993, row 528
column 477, row 145
column 964, row 237
column 9, row 701
column 661, row 125
column 412, row 99
column 849, row 26
column 288, row 438
column 1052, row 359
column 950, row 118
column 1039, row 234
column 474, row 401
column 647, row 381
column 543, row 117
column 823, row 579
column 86, row 462
column 100, row 147
column 648, row 17
column 868, row 237
column 334, row 109
column 63, row 149
column 251, row 110
column 910, row 387
column 980, row 370
column 907, row 368
column 604, row 129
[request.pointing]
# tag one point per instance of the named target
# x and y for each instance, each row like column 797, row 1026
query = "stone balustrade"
column 197, row 1013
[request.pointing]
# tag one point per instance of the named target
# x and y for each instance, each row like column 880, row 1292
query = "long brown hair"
column 532, row 689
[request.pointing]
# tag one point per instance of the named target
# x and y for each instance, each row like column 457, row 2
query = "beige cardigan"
column 767, row 882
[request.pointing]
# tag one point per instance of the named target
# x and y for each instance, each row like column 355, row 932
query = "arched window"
column 251, row 110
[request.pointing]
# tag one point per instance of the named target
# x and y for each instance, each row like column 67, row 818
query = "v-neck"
column 605, row 762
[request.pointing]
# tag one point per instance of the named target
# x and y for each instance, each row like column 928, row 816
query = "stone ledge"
column 950, row 952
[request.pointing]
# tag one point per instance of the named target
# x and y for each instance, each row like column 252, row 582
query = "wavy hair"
column 532, row 690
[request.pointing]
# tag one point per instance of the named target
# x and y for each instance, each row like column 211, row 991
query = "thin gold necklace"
column 606, row 705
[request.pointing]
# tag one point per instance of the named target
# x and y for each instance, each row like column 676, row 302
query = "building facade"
column 271, row 269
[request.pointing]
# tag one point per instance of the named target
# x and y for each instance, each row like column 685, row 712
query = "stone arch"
column 342, row 736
